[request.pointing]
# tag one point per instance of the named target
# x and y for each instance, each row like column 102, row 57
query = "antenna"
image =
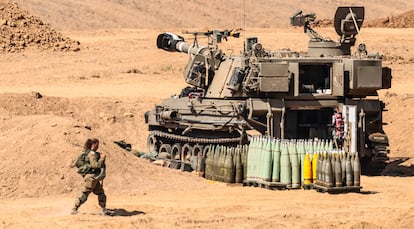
column 356, row 25
column 244, row 25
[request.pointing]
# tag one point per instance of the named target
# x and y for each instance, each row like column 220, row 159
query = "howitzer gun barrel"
column 174, row 43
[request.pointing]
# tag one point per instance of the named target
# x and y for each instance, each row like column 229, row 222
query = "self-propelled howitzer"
column 282, row 94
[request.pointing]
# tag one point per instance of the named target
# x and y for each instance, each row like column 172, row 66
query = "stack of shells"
column 289, row 162
column 226, row 163
column 294, row 163
column 338, row 169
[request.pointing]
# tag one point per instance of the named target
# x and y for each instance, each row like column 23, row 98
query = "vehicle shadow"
column 123, row 212
column 395, row 168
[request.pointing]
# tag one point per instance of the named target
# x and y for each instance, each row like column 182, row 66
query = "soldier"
column 93, row 176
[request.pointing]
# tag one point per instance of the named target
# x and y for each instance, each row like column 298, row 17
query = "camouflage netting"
column 20, row 30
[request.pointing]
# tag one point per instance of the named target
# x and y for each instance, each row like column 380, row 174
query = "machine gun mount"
column 347, row 23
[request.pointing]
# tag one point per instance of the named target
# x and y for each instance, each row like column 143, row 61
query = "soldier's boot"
column 74, row 211
column 107, row 212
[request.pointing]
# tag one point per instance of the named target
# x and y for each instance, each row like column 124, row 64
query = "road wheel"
column 186, row 153
column 197, row 150
column 176, row 151
column 206, row 150
column 152, row 143
column 165, row 151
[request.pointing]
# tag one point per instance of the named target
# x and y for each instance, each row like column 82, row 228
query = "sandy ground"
column 107, row 87
column 385, row 202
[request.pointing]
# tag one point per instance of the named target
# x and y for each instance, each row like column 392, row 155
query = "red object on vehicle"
column 337, row 123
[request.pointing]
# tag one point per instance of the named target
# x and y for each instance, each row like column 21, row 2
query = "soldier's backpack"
column 82, row 164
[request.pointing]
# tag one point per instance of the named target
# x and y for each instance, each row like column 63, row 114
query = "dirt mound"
column 405, row 20
column 184, row 14
column 399, row 120
column 40, row 137
column 20, row 30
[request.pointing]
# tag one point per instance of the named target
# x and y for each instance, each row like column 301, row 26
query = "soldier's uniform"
column 92, row 181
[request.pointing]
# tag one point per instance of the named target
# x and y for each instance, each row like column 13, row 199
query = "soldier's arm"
column 95, row 164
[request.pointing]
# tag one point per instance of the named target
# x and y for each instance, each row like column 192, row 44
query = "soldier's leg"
column 89, row 186
column 81, row 199
column 98, row 190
